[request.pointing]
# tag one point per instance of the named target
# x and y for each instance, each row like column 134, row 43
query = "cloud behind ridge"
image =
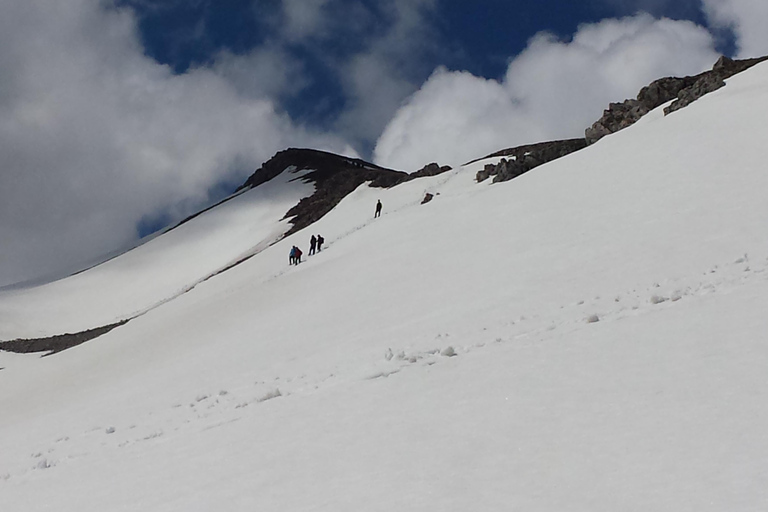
column 553, row 89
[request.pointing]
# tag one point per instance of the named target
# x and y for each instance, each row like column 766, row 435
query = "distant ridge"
column 683, row 91
column 618, row 116
column 522, row 159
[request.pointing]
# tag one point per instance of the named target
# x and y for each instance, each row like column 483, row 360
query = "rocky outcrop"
column 684, row 91
column 711, row 81
column 620, row 115
column 333, row 176
column 524, row 158
column 432, row 169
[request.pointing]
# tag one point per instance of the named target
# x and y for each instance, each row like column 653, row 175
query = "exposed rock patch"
column 432, row 169
column 524, row 158
column 684, row 91
column 58, row 343
column 333, row 176
column 711, row 81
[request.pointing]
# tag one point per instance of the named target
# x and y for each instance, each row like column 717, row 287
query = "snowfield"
column 157, row 271
column 588, row 336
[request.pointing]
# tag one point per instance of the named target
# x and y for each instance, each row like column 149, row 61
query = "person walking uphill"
column 294, row 257
column 320, row 241
column 312, row 244
column 378, row 209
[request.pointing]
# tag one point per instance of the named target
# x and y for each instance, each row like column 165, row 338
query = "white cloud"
column 454, row 116
column 269, row 71
column 304, row 18
column 378, row 78
column 375, row 51
column 375, row 90
column 94, row 135
column 552, row 90
column 747, row 19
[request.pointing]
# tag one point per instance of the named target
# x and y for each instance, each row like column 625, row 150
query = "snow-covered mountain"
column 587, row 336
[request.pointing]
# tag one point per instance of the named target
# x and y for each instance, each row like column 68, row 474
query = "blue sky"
column 479, row 37
column 119, row 116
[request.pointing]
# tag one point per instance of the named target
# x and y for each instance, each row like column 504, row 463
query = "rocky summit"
column 683, row 91
column 334, row 176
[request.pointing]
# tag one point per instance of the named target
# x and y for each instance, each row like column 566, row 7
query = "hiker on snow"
column 378, row 209
column 292, row 256
column 312, row 244
column 320, row 241
column 298, row 255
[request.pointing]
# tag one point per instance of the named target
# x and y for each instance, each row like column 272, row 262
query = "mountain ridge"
column 334, row 177
column 683, row 90
column 588, row 336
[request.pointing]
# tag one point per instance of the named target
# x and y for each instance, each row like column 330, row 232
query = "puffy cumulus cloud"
column 746, row 18
column 567, row 85
column 374, row 88
column 454, row 117
column 388, row 66
column 268, row 71
column 94, row 135
column 305, row 18
column 553, row 89
column 374, row 53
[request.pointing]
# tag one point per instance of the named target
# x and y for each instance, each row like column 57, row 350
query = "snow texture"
column 340, row 392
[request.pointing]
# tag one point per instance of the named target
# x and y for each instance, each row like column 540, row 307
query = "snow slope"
column 589, row 336
column 157, row 271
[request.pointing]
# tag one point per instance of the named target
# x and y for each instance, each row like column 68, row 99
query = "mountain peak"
column 323, row 165
column 334, row 177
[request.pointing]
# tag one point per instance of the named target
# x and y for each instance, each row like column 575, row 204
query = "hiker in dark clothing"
column 312, row 244
column 320, row 241
column 298, row 255
column 292, row 256
column 378, row 209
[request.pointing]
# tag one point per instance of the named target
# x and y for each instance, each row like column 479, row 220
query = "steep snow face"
column 588, row 336
column 156, row 271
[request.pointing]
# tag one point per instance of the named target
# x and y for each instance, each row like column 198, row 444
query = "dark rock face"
column 620, row 115
column 711, row 81
column 334, row 177
column 684, row 91
column 706, row 85
column 323, row 165
column 617, row 117
column 663, row 90
column 524, row 158
column 432, row 169
column 54, row 344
